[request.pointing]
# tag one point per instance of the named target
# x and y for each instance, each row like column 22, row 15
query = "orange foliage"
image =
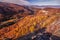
column 27, row 25
column 30, row 23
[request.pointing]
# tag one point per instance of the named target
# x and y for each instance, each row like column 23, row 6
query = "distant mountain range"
column 44, row 6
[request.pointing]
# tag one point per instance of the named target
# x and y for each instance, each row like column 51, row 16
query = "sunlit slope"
column 30, row 24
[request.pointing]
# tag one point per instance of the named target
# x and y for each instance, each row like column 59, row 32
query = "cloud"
column 47, row 2
column 33, row 2
column 20, row 2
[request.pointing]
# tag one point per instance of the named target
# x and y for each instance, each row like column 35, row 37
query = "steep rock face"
column 19, row 21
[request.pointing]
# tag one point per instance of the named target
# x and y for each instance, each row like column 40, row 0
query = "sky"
column 33, row 2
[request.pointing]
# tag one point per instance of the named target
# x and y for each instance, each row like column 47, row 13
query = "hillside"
column 20, row 21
